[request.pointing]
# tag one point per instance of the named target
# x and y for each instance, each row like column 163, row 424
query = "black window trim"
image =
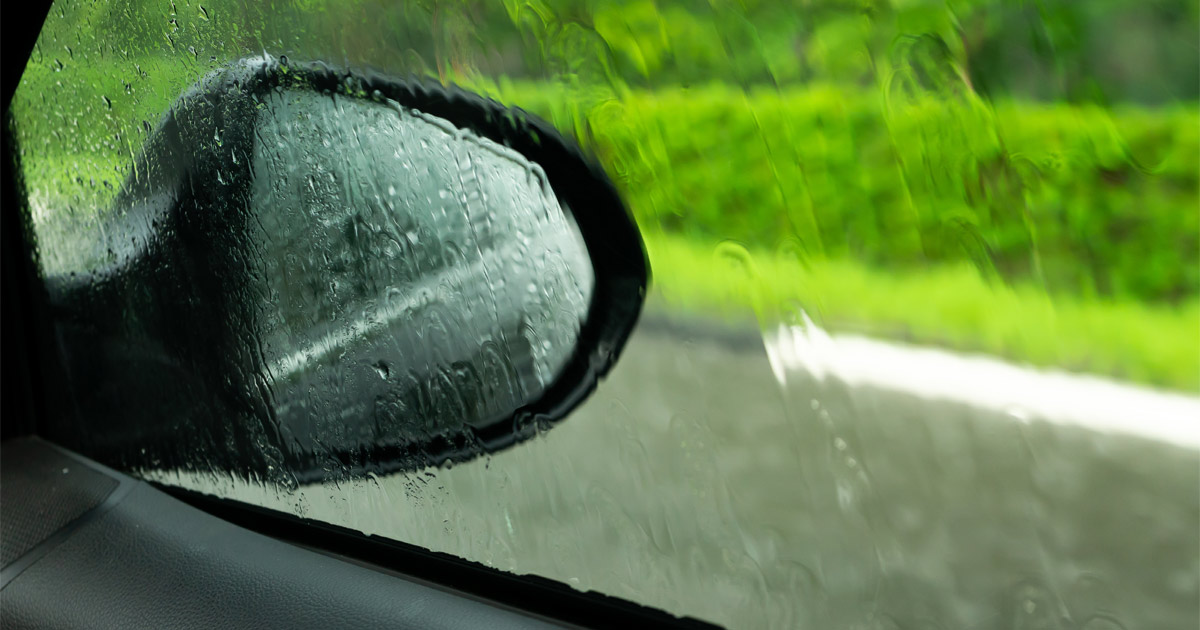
column 528, row 593
column 22, row 306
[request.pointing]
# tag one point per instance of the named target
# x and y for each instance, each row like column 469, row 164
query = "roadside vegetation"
column 1058, row 235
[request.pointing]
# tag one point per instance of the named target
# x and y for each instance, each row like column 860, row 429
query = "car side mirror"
column 313, row 273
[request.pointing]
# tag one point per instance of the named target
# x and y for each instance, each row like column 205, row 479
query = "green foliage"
column 1076, row 200
column 1099, row 51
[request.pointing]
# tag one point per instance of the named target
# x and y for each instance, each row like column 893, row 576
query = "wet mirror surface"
column 922, row 348
column 418, row 278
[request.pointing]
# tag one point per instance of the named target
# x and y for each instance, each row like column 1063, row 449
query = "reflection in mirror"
column 297, row 284
column 415, row 277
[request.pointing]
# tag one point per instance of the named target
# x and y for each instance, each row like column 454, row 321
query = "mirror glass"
column 414, row 277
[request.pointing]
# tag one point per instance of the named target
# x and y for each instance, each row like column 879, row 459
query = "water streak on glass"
column 412, row 271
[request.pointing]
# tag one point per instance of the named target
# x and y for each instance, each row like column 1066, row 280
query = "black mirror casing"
column 158, row 375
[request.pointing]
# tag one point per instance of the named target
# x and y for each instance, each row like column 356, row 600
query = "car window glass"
column 921, row 346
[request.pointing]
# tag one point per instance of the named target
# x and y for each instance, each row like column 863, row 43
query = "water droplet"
column 381, row 368
column 203, row 13
column 1019, row 414
column 1103, row 621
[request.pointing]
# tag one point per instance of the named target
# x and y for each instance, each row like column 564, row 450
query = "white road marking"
column 1021, row 393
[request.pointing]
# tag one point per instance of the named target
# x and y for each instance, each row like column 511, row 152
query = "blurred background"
column 829, row 192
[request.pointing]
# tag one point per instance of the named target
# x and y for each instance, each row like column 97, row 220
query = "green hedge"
column 1076, row 200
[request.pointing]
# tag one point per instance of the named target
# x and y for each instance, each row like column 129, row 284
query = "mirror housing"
column 163, row 339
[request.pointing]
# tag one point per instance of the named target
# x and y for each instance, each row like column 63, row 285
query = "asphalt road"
column 703, row 480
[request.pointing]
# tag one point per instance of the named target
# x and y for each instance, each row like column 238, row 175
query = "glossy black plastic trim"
column 22, row 305
column 19, row 32
column 529, row 593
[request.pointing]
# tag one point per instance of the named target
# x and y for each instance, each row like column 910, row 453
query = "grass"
column 951, row 306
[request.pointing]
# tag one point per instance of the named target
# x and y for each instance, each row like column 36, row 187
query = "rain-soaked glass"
column 922, row 347
column 410, row 268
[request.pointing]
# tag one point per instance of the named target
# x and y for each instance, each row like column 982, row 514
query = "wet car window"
column 922, row 343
